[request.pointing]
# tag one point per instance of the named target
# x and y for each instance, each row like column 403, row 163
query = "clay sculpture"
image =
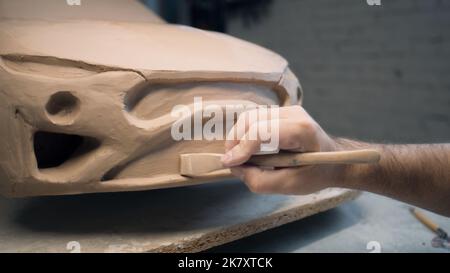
column 85, row 105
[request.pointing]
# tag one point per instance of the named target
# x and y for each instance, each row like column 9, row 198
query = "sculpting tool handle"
column 289, row 159
column 201, row 163
column 429, row 224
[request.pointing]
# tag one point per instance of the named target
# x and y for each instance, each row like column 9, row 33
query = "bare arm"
column 417, row 174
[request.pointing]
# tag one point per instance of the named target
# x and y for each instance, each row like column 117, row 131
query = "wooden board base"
column 188, row 219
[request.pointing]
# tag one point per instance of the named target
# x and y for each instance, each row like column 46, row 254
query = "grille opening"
column 54, row 149
column 109, row 175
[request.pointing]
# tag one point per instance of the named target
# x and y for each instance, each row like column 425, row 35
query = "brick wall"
column 377, row 73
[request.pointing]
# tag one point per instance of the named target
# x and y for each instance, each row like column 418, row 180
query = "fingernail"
column 227, row 157
column 238, row 173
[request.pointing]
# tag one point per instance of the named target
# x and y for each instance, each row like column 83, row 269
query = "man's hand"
column 297, row 132
column 417, row 174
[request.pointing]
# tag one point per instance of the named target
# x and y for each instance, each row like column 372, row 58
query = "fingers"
column 267, row 181
column 238, row 130
column 297, row 119
column 248, row 145
column 290, row 135
column 246, row 119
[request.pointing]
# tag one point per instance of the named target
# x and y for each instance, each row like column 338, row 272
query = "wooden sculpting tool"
column 197, row 164
column 429, row 224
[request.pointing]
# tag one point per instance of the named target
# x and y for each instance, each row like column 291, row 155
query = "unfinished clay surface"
column 85, row 105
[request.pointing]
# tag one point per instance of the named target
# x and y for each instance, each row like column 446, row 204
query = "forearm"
column 417, row 174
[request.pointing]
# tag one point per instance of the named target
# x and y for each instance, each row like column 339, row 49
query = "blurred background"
column 377, row 73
